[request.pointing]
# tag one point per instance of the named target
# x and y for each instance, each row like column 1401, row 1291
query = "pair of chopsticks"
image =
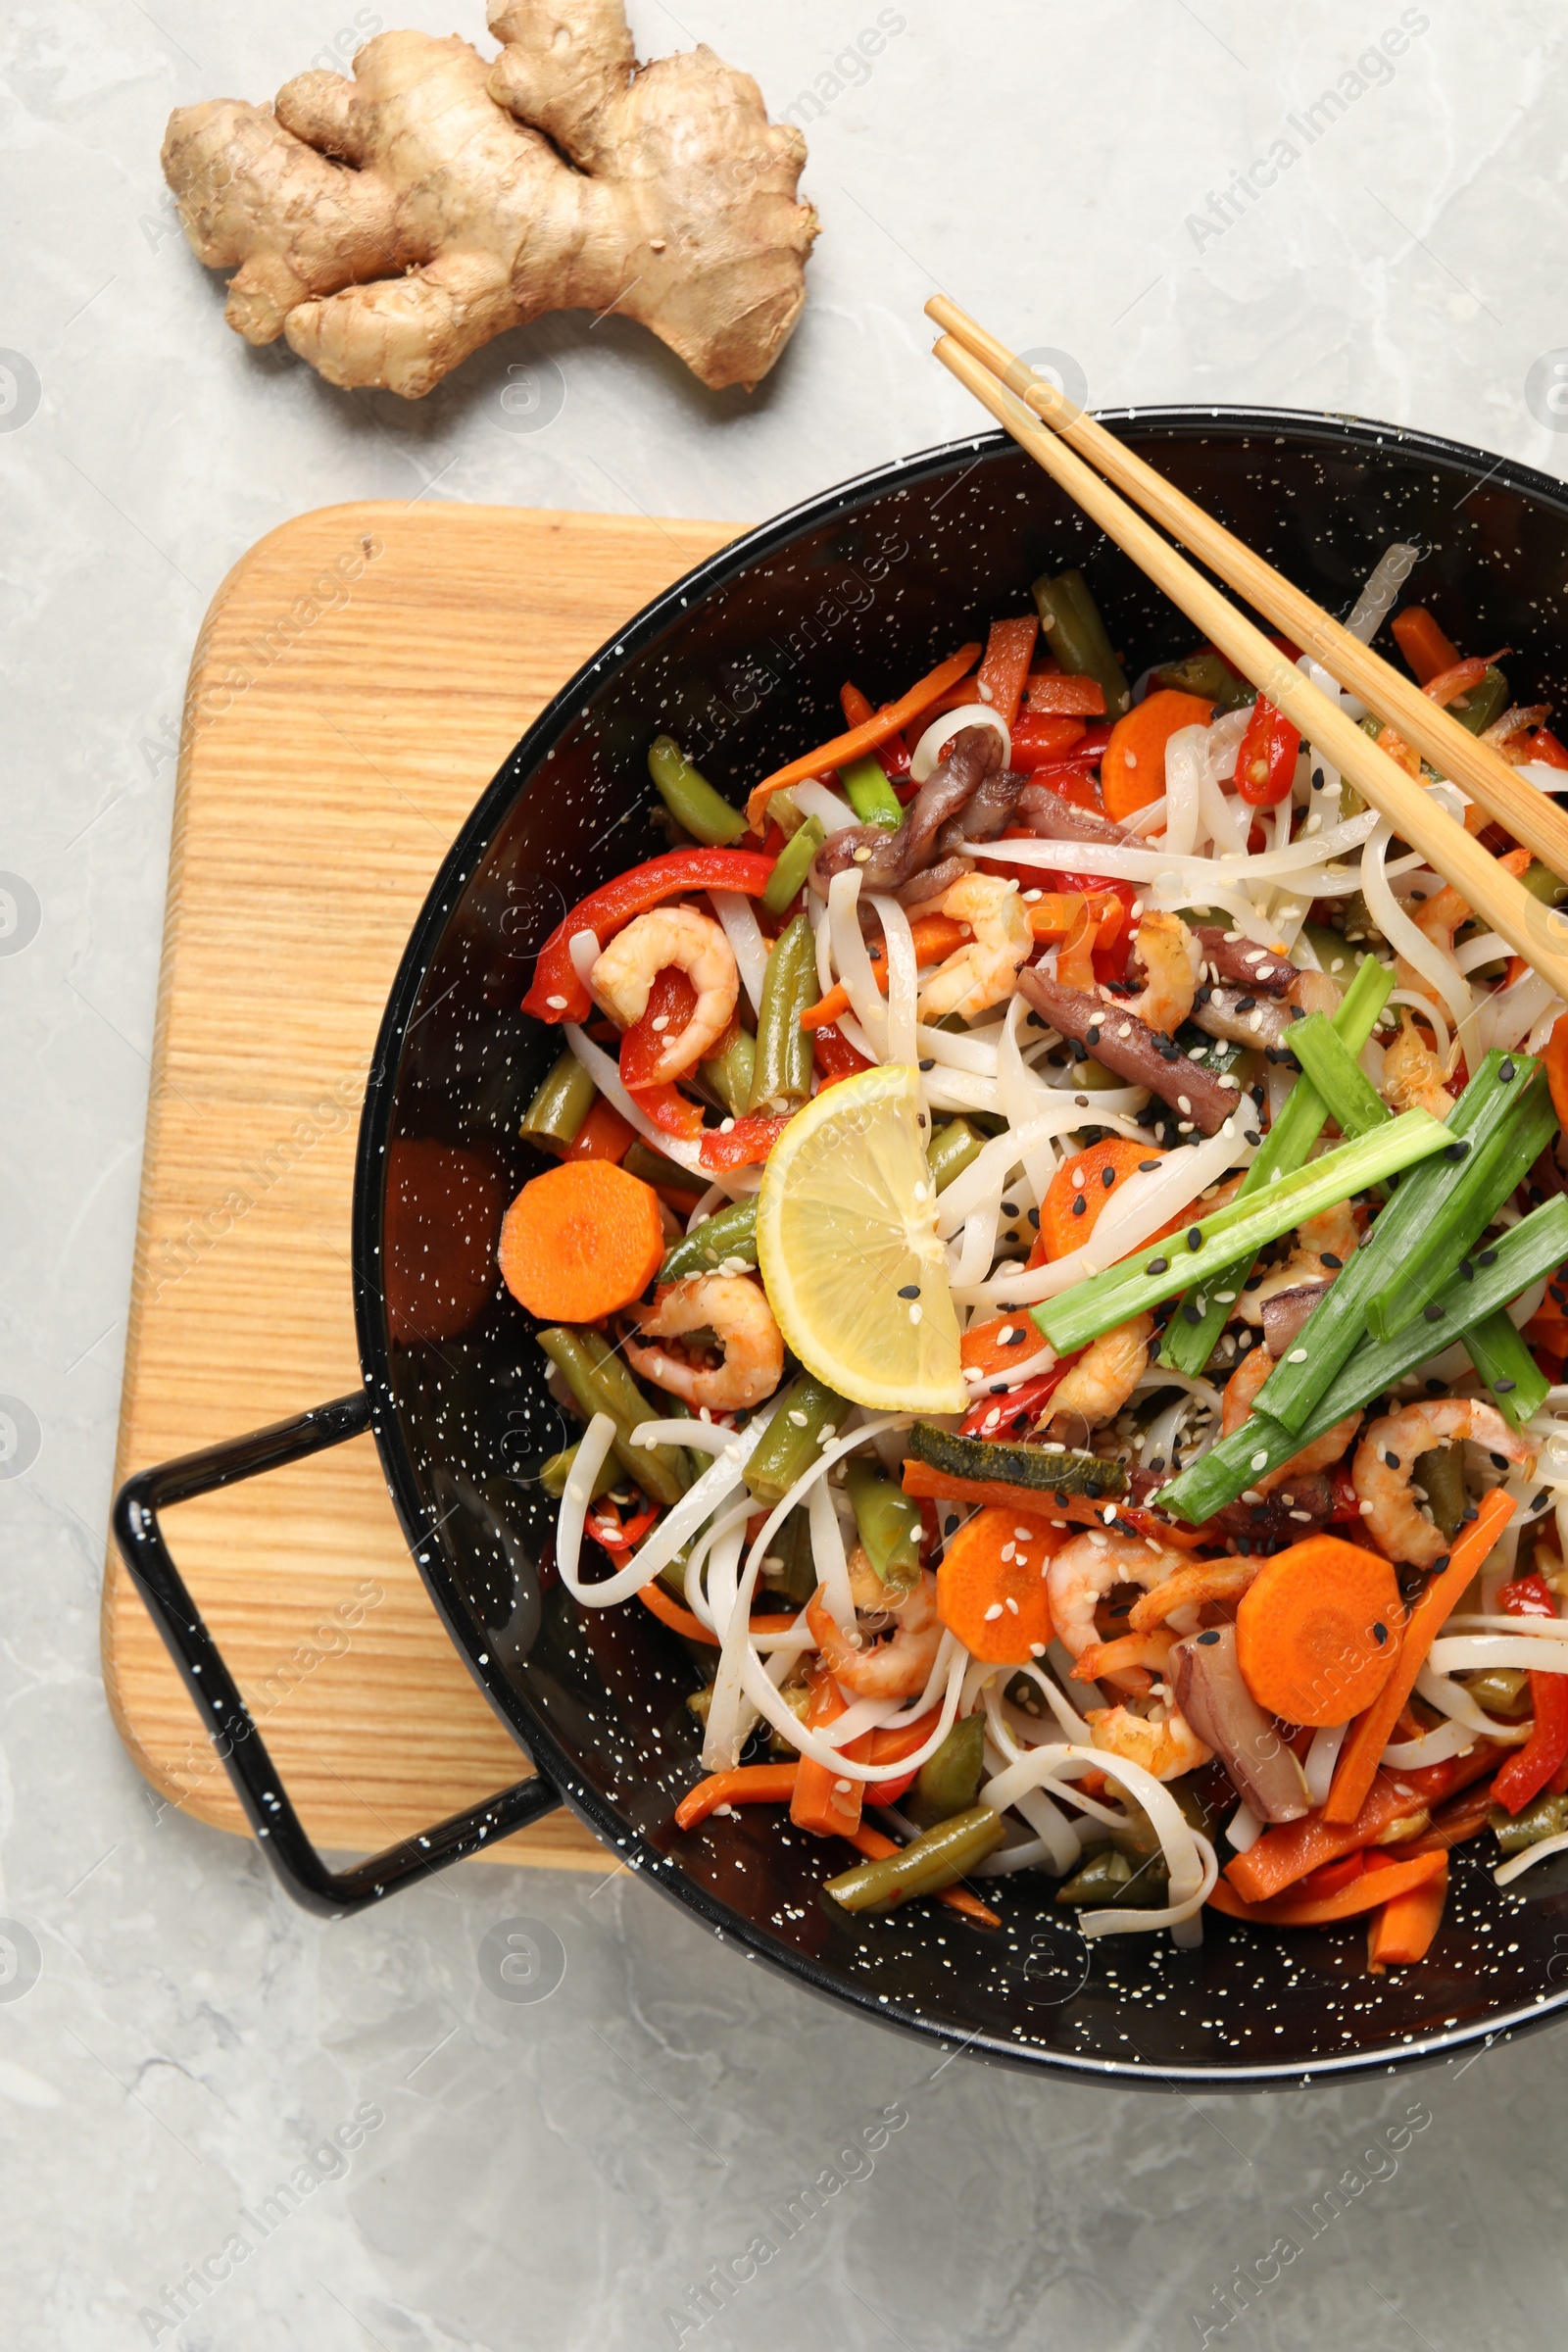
column 1060, row 437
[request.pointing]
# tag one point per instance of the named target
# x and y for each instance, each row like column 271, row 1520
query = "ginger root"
column 391, row 223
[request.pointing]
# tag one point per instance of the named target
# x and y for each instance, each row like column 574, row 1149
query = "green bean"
column 887, row 1522
column 730, row 1074
column 555, row 1472
column 1210, row 676
column 794, row 862
column 937, row 1859
column 1075, row 634
column 782, row 1078
column 688, row 796
column 949, row 1782
column 562, row 1102
column 1501, row 1690
column 807, row 1418
column 1441, row 1476
column 952, row 1147
column 1547, row 1817
column 871, row 795
column 654, row 1168
column 731, row 1234
column 1543, row 884
column 1484, row 703
column 795, row 1572
column 600, row 1383
column 1107, row 1881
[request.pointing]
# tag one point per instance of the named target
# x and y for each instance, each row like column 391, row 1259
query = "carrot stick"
column 1423, row 644
column 1059, row 697
column 876, row 1848
column 1010, row 649
column 864, row 738
column 936, row 936
column 1078, row 1191
column 1131, row 773
column 581, row 1241
column 1369, row 1735
column 990, row 1585
column 1285, row 1855
column 1401, row 1931
column 1365, row 1893
column 1317, row 1631
column 819, row 1803
column 1556, row 1060
column 745, row 1784
column 681, row 1621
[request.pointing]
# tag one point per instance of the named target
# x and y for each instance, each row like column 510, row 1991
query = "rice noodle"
column 1516, row 1864
column 1455, row 1700
column 833, row 814
column 738, row 916
column 1506, row 1018
column 1384, row 582
column 1400, row 932
column 1152, row 865
column 1321, row 1759
column 903, row 979
column 584, row 949
column 1189, row 1856
column 1428, row 1011
column 829, row 1559
column 1006, row 1153
column 736, row 1183
column 852, row 958
column 1451, row 1739
column 940, row 733
column 1184, row 776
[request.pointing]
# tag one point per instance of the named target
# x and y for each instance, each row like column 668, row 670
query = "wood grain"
column 361, row 675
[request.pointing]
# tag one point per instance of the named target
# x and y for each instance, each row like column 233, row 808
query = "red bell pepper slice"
column 746, row 1144
column 1004, row 668
column 1541, row 745
column 834, row 1055
column 1020, row 1408
column 1529, row 1769
column 618, row 1534
column 1265, row 764
column 671, row 1002
column 671, row 1111
column 1040, row 738
column 557, row 994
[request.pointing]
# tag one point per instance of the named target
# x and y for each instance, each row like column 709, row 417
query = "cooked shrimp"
column 1104, row 1661
column 733, row 1311
column 1412, row 1074
column 1191, row 1587
column 893, row 1668
column 1081, row 1575
column 1323, row 1245
column 1170, row 955
column 1239, row 1390
column 982, row 971
column 1103, row 1377
column 625, row 972
column 1164, row 1743
column 1386, row 1457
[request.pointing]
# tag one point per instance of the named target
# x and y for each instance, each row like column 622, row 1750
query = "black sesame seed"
column 1034, row 1216
column 1542, row 1498
column 1499, row 1461
column 1193, row 1312
column 1203, row 1639
column 1015, row 1337
column 1438, row 1566
column 1247, row 1003
column 1010, row 1208
column 1392, row 1460
column 1501, row 1384
column 1158, row 1265
column 1107, row 1177
column 1147, row 1167
column 928, row 1065
column 911, row 1289
column 1317, row 779
column 1434, row 1312
column 1508, row 1073
column 1080, row 1204
column 1380, row 1634
column 1469, row 1515
column 1487, row 1257
column 1467, row 1270
column 1091, row 1038
column 1457, row 1152
column 1194, row 1237
column 1329, row 1259
column 1253, row 1140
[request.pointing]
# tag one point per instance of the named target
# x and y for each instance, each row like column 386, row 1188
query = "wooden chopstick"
column 1479, row 767
column 1532, row 932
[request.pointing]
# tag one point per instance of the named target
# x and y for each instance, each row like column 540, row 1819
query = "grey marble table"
column 225, row 2125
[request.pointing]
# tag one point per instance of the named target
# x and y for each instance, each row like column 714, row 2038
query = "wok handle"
column 240, row 1746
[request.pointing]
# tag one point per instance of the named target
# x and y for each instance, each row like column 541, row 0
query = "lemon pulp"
column 847, row 1242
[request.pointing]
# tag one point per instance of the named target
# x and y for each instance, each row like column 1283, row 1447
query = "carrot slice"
column 747, row 1784
column 1401, row 1933
column 1081, row 1187
column 1556, row 1060
column 1316, row 1632
column 876, row 1847
column 990, row 1585
column 1369, row 1736
column 1131, row 773
column 581, row 1241
column 1423, row 644
column 864, row 738
column 1285, row 1855
column 1363, row 1893
column 825, row 1801
column 1010, row 649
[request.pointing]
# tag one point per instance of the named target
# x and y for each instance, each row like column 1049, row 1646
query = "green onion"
column 871, row 795
column 1354, row 1102
column 1497, row 1163
column 1339, row 1320
column 688, row 796
column 790, row 869
column 1538, row 1243
column 1211, row 1244
column 1518, row 1386
column 1189, row 1344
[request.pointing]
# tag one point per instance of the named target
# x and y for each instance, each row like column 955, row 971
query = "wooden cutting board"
column 359, row 678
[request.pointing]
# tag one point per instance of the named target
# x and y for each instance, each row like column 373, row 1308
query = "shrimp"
column 982, row 971
column 1323, row 1244
column 1164, row 1743
column 1104, row 1375
column 1386, row 1457
column 1081, row 1575
column 695, row 943
column 1239, row 1390
column 1199, row 1583
column 1169, row 954
column 1412, row 1074
column 897, row 1668
column 731, row 1309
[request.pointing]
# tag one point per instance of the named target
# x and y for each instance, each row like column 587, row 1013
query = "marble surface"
column 449, row 2165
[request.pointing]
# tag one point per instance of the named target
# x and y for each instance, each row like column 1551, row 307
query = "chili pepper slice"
column 1265, row 764
column 1528, row 1770
column 557, row 994
column 1019, row 1410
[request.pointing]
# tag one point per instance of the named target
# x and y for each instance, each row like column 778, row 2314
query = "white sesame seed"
column 1008, row 1550
column 1298, row 1356
column 914, row 1312
column 995, row 1610
column 1012, row 1604
column 557, row 1004
column 1260, row 1460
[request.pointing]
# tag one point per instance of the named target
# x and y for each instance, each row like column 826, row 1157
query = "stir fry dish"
column 1059, row 1252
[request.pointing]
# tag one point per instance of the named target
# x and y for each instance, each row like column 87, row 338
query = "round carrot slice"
column 1132, row 774
column 1318, row 1631
column 990, row 1585
column 1081, row 1187
column 581, row 1241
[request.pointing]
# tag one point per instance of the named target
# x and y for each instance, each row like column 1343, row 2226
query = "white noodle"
column 1189, row 1856
column 1428, row 1011
column 834, row 815
column 593, row 1450
column 736, row 1181
column 940, row 733
column 1506, row 1871
column 1455, row 1700
column 1184, row 776
column 1321, row 1759
column 738, row 917
column 1451, row 1739
column 1152, row 865
column 1402, row 933
column 903, row 979
column 1386, row 577
column 828, row 1557
column 854, row 959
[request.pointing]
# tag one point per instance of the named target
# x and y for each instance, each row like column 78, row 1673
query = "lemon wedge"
column 847, row 1241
